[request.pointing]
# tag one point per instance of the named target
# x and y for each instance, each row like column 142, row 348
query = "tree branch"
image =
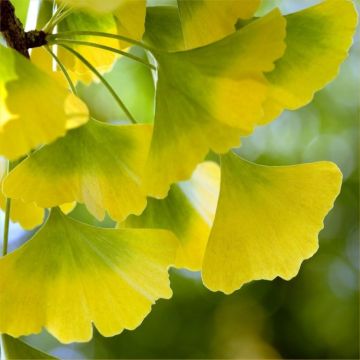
column 13, row 31
column 12, row 28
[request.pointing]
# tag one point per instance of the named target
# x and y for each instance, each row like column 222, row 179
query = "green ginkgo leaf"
column 83, row 275
column 98, row 164
column 163, row 28
column 208, row 97
column 318, row 40
column 15, row 349
column 267, row 220
column 47, row 110
column 188, row 211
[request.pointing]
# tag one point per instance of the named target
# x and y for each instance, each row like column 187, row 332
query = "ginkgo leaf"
column 130, row 17
column 206, row 21
column 267, row 220
column 188, row 211
column 47, row 110
column 15, row 349
column 98, row 164
column 163, row 28
column 28, row 215
column 208, row 97
column 318, row 40
column 83, row 275
column 194, row 23
column 101, row 6
column 102, row 60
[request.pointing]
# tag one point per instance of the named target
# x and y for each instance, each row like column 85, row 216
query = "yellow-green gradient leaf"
column 100, row 6
column 71, row 275
column 28, row 215
column 267, row 221
column 188, row 211
column 208, row 97
column 34, row 108
column 102, row 60
column 206, row 21
column 98, row 164
column 15, row 349
column 318, row 40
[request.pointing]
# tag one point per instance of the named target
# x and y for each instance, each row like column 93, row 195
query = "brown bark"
column 13, row 31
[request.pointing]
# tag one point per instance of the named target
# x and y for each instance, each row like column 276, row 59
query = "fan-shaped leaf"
column 70, row 275
column 318, row 40
column 208, row 97
column 267, row 220
column 98, row 164
column 47, row 110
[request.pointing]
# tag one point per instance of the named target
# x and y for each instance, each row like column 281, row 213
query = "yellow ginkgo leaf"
column 130, row 17
column 47, row 110
column 67, row 208
column 208, row 97
column 15, row 349
column 188, row 211
column 206, row 21
column 98, row 164
column 101, row 6
column 194, row 23
column 267, row 221
column 28, row 215
column 102, row 60
column 318, row 40
column 82, row 275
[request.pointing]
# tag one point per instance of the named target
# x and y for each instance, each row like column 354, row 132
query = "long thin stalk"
column 50, row 24
column 102, row 79
column 60, row 18
column 107, row 48
column 63, row 69
column 7, row 219
column 66, row 34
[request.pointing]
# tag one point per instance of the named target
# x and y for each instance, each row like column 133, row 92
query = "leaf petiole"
column 7, row 215
column 63, row 69
column 60, row 14
column 102, row 79
column 66, row 34
column 107, row 48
